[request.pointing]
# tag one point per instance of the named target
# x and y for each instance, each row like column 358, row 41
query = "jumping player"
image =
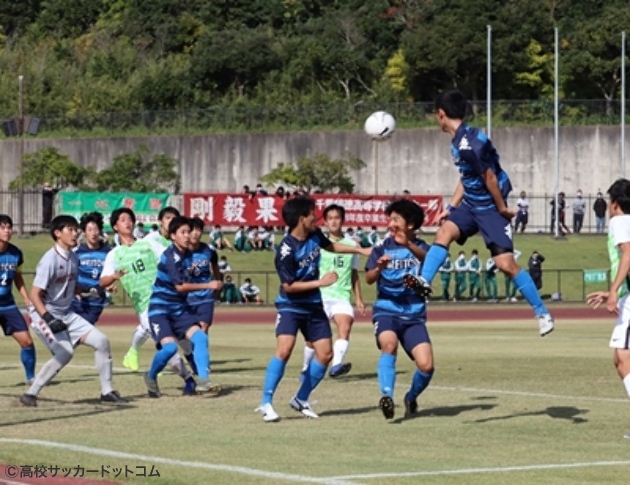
column 92, row 298
column 171, row 318
column 134, row 264
column 337, row 297
column 478, row 205
column 11, row 320
column 59, row 328
column 618, row 296
column 399, row 314
column 299, row 304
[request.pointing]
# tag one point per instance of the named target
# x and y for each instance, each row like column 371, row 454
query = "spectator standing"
column 138, row 231
column 446, row 271
column 599, row 207
column 522, row 216
column 535, row 268
column 561, row 221
column 373, row 236
column 579, row 207
column 260, row 190
column 510, row 287
column 48, row 202
column 492, row 288
column 474, row 275
column 461, row 270
column 250, row 292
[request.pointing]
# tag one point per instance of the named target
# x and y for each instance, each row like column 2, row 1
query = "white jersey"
column 56, row 274
column 158, row 242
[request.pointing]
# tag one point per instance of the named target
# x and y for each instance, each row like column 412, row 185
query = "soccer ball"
column 380, row 126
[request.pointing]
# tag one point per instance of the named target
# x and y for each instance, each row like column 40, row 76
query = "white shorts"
column 338, row 307
column 77, row 328
column 620, row 338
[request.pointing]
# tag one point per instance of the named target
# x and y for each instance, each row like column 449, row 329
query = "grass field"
column 573, row 253
column 505, row 406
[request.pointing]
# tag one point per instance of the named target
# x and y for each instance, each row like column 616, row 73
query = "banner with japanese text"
column 145, row 206
column 242, row 210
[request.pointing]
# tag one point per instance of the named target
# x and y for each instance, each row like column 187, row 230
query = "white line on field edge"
column 169, row 461
column 470, row 471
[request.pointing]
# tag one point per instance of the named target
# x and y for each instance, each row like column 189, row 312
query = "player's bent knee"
column 23, row 339
column 62, row 351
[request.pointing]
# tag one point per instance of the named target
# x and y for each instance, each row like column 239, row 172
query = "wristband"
column 48, row 317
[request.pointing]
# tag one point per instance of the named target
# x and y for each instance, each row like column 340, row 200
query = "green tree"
column 317, row 172
column 539, row 73
column 396, row 72
column 49, row 165
column 137, row 172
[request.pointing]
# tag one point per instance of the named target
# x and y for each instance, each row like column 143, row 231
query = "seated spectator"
column 224, row 266
column 361, row 238
column 252, row 238
column 229, row 292
column 264, row 238
column 217, row 240
column 138, row 231
column 240, row 240
column 250, row 292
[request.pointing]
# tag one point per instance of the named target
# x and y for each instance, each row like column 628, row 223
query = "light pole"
column 21, row 151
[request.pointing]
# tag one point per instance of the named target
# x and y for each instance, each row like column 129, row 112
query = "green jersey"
column 157, row 240
column 342, row 264
column 618, row 233
column 140, row 262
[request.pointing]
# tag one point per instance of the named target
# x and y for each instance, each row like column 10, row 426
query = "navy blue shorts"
column 410, row 333
column 163, row 326
column 12, row 321
column 494, row 228
column 314, row 326
column 204, row 312
column 90, row 312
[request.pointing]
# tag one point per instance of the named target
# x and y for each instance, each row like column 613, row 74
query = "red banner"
column 241, row 210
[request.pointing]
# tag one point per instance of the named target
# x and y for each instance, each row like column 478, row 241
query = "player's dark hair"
column 247, row 280
column 295, row 208
column 474, row 251
column 176, row 223
column 95, row 217
column 619, row 193
column 154, row 227
column 411, row 212
column 59, row 223
column 5, row 219
column 335, row 207
column 168, row 210
column 113, row 219
column 196, row 223
column 453, row 103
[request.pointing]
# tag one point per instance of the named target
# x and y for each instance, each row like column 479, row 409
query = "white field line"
column 238, row 470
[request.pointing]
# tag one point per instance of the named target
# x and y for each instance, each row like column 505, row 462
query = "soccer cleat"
column 28, row 400
column 131, row 360
column 386, row 404
column 152, row 386
column 205, row 386
column 340, row 369
column 268, row 413
column 190, row 388
column 113, row 397
column 302, row 407
column 545, row 324
column 411, row 407
column 418, row 285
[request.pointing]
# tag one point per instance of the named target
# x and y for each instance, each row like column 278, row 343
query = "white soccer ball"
column 380, row 126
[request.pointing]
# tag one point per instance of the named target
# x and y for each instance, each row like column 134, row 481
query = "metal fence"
column 266, row 118
column 539, row 214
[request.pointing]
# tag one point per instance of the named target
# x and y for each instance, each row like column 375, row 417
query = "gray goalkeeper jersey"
column 56, row 274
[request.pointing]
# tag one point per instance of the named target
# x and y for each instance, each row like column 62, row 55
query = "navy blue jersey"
column 10, row 261
column 90, row 267
column 201, row 272
column 172, row 270
column 299, row 261
column 393, row 297
column 473, row 154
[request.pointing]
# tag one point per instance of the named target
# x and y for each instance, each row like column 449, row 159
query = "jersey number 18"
column 138, row 266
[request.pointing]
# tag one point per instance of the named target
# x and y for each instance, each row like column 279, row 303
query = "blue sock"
column 273, row 376
column 387, row 374
column 434, row 259
column 27, row 355
column 161, row 358
column 419, row 383
column 523, row 281
column 312, row 377
column 199, row 341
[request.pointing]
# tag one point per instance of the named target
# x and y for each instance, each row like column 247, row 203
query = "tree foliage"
column 317, row 172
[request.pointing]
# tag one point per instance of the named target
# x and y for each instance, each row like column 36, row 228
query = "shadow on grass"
column 568, row 413
column 445, row 411
column 348, row 412
column 365, row 376
column 231, row 361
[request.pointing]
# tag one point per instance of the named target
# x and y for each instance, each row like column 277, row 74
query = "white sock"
column 309, row 353
column 186, row 346
column 102, row 358
column 339, row 351
column 626, row 383
column 62, row 354
column 179, row 367
column 140, row 336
